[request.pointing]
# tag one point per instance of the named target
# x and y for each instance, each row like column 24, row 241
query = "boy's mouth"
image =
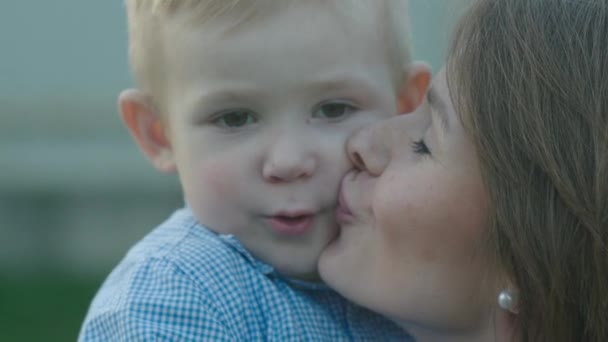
column 294, row 223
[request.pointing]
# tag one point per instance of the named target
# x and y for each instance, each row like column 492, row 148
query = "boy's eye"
column 333, row 111
column 235, row 119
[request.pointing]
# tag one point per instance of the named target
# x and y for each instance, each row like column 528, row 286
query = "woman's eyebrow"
column 438, row 108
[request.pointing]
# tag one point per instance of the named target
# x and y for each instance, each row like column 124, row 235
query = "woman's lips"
column 291, row 223
column 343, row 213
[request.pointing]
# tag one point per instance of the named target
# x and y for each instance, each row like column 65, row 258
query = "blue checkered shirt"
column 183, row 282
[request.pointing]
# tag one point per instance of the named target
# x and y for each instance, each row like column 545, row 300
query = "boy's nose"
column 288, row 161
column 367, row 149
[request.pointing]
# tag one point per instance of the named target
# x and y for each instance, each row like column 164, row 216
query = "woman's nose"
column 367, row 149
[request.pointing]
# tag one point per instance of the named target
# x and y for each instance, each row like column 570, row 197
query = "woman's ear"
column 145, row 125
column 414, row 87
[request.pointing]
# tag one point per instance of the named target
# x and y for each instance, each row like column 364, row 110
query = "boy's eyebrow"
column 337, row 82
column 228, row 94
column 438, row 108
column 233, row 93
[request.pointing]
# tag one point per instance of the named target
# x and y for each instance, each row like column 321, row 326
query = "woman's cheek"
column 390, row 209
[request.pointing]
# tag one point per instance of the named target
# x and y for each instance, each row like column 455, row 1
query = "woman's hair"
column 529, row 79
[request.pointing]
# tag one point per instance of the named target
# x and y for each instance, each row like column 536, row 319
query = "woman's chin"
column 330, row 260
column 337, row 264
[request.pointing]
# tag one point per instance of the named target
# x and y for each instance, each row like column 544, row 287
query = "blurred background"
column 75, row 192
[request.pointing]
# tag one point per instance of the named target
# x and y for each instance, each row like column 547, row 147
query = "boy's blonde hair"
column 147, row 17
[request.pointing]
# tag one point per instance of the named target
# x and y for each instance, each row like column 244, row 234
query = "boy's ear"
column 413, row 89
column 145, row 125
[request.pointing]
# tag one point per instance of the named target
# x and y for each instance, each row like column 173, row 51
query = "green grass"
column 44, row 307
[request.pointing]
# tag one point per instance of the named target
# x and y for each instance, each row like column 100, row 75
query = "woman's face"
column 412, row 221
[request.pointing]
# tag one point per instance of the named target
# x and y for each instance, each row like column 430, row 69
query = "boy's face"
column 257, row 120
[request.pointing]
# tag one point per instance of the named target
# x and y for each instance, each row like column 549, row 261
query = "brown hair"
column 530, row 81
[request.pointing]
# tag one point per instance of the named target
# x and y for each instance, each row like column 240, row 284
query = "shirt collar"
column 266, row 269
column 233, row 242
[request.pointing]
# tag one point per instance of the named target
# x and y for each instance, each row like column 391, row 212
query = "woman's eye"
column 420, row 147
column 235, row 119
column 333, row 111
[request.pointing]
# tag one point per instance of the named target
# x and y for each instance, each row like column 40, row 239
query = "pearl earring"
column 508, row 300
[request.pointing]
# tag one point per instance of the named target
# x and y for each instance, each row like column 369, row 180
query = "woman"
column 483, row 215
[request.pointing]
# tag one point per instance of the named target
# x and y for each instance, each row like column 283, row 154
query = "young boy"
column 251, row 103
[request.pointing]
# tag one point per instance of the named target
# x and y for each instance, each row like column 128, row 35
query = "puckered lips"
column 296, row 222
column 343, row 212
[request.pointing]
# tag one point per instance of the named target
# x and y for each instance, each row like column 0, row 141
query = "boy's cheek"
column 217, row 179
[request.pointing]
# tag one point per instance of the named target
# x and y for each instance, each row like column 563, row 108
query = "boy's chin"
column 312, row 277
column 299, row 272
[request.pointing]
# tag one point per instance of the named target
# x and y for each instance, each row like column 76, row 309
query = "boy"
column 251, row 103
